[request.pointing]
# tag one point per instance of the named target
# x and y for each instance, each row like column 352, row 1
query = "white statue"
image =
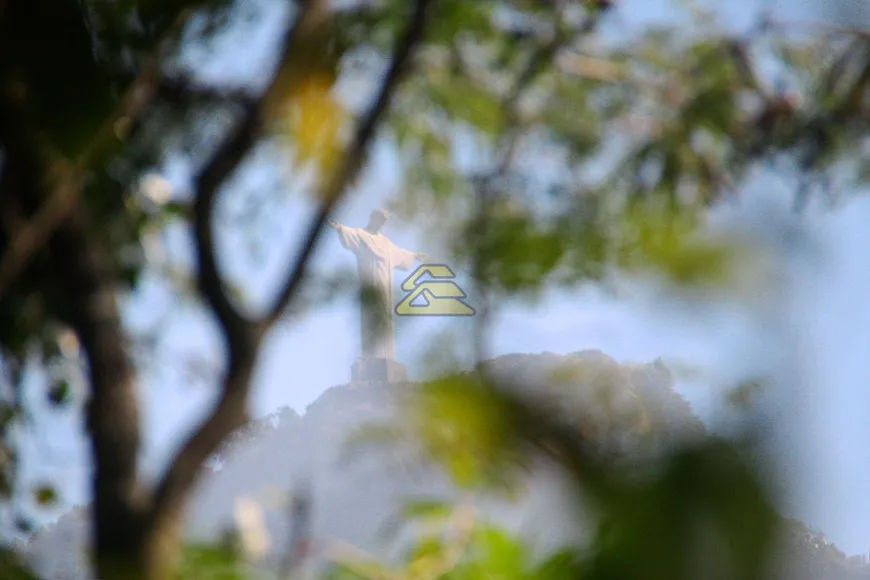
column 376, row 257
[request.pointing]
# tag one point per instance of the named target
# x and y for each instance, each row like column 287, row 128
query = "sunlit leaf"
column 464, row 429
column 498, row 554
column 205, row 561
column 432, row 509
column 315, row 120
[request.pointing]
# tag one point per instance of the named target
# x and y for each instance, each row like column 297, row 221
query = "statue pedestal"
column 378, row 370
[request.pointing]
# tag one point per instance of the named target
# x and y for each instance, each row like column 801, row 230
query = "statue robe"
column 376, row 257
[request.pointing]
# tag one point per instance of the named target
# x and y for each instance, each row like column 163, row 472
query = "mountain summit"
column 355, row 492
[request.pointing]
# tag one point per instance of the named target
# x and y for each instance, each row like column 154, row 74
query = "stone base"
column 378, row 370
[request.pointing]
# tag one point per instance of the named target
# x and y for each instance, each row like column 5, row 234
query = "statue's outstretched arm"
column 352, row 239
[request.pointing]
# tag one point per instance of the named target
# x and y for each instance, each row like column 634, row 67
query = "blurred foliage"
column 464, row 428
column 201, row 562
column 535, row 153
column 700, row 510
column 683, row 516
column 462, row 547
column 13, row 567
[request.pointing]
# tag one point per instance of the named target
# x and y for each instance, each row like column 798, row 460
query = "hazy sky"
column 811, row 329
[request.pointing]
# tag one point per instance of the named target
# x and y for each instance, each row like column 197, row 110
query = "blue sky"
column 811, row 330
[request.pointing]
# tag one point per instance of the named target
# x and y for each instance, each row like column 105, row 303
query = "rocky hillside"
column 355, row 493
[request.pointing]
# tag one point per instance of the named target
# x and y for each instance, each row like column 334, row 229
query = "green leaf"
column 60, row 393
column 459, row 16
column 566, row 564
column 175, row 209
column 45, row 495
column 14, row 567
column 499, row 555
column 516, row 254
column 210, row 562
column 465, row 100
column 427, row 509
column 668, row 240
column 714, row 109
column 462, row 426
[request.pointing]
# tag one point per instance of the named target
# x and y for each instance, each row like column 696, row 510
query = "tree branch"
column 68, row 186
column 244, row 336
column 181, row 91
column 83, row 274
column 209, row 281
column 237, row 329
column 355, row 157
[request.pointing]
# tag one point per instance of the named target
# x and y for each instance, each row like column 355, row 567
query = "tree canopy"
column 537, row 148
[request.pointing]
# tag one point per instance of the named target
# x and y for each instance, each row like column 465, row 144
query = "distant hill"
column 354, row 497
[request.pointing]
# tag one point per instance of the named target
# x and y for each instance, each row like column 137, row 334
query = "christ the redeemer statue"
column 376, row 257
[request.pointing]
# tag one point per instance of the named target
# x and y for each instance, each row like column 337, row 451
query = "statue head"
column 377, row 219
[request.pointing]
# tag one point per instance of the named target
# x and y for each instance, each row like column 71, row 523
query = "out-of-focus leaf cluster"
column 646, row 133
column 211, row 561
column 685, row 515
column 593, row 156
column 74, row 62
column 461, row 547
column 13, row 567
